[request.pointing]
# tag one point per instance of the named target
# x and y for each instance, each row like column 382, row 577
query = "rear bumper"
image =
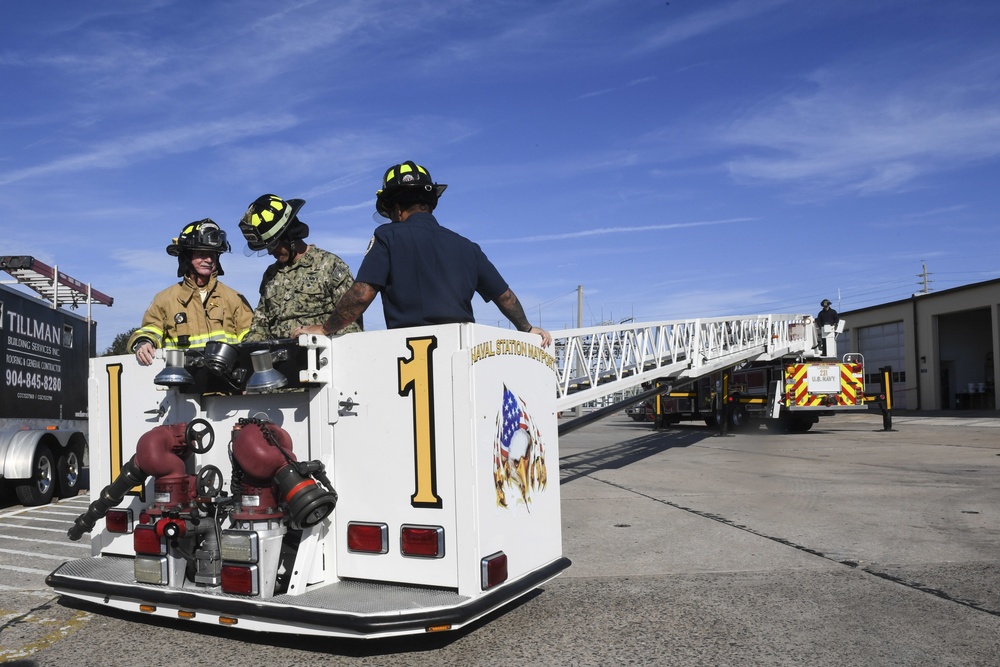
column 361, row 609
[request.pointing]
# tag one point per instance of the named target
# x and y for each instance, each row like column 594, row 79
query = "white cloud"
column 854, row 131
column 706, row 21
column 582, row 233
column 181, row 139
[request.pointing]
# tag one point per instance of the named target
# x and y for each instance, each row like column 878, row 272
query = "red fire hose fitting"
column 257, row 456
column 158, row 451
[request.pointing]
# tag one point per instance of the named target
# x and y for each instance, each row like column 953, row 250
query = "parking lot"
column 846, row 545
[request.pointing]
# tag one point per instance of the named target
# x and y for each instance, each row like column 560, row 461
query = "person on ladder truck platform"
column 200, row 308
column 304, row 283
column 427, row 274
column 827, row 317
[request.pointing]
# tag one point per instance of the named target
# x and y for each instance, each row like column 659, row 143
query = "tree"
column 119, row 345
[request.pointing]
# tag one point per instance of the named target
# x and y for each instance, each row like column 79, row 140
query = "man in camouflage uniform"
column 304, row 283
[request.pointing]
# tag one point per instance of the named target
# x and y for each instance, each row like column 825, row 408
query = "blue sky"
column 677, row 159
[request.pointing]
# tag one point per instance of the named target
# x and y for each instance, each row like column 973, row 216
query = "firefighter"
column 304, row 283
column 199, row 308
column 427, row 274
column 826, row 320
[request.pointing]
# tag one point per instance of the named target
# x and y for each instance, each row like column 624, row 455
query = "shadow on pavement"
column 621, row 454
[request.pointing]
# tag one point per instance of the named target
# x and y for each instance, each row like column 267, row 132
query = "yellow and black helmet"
column 407, row 184
column 200, row 235
column 270, row 219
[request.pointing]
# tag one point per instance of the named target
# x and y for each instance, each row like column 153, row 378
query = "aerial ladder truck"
column 364, row 485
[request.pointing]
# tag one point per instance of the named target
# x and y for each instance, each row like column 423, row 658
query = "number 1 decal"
column 115, row 440
column 415, row 376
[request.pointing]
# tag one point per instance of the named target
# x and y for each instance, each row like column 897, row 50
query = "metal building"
column 943, row 347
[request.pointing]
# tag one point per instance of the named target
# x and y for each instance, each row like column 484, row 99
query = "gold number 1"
column 415, row 376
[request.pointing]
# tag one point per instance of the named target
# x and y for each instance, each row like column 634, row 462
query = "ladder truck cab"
column 364, row 485
column 45, row 351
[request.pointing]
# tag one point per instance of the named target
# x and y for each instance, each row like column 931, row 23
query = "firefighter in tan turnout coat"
column 199, row 308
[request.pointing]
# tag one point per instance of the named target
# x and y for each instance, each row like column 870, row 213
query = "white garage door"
column 882, row 345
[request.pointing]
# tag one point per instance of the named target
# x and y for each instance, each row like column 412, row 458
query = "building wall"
column 950, row 340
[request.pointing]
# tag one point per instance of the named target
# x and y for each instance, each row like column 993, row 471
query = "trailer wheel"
column 70, row 469
column 42, row 485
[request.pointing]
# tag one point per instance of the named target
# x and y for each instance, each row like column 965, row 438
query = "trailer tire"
column 42, row 485
column 70, row 469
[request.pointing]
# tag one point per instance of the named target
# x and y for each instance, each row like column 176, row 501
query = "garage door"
column 882, row 345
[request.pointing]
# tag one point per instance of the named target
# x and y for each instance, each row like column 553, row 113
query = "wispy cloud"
column 704, row 22
column 601, row 231
column 120, row 152
column 605, row 91
column 857, row 132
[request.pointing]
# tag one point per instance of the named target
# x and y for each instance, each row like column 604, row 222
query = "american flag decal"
column 518, row 452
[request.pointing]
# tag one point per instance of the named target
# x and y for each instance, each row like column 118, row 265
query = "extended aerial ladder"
column 593, row 362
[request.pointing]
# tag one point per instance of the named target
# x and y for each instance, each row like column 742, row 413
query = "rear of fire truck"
column 788, row 394
column 366, row 485
column 810, row 390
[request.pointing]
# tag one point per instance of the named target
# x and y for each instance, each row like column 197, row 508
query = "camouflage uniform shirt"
column 300, row 294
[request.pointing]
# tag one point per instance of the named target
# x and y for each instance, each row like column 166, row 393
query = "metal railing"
column 595, row 361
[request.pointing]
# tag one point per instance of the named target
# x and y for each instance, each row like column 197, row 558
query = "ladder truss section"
column 57, row 288
column 597, row 361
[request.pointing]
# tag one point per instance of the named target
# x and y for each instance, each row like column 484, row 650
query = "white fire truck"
column 365, row 485
column 44, row 351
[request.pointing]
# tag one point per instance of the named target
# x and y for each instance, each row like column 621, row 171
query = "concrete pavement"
column 846, row 545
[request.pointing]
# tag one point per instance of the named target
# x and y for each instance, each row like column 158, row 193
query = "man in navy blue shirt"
column 427, row 274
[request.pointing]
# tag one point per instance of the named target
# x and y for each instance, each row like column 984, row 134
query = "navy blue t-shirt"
column 426, row 273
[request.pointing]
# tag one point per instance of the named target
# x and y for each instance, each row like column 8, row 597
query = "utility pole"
column 924, row 281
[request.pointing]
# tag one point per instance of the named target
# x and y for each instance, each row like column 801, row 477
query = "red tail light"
column 118, row 521
column 422, row 541
column 146, row 541
column 370, row 538
column 494, row 570
column 240, row 579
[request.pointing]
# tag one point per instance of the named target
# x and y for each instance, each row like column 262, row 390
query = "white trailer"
column 45, row 351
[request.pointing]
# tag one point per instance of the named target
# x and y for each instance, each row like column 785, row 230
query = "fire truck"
column 787, row 394
column 366, row 485
column 43, row 400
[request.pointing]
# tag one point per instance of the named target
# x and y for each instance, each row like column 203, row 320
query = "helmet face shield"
column 200, row 235
column 212, row 237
